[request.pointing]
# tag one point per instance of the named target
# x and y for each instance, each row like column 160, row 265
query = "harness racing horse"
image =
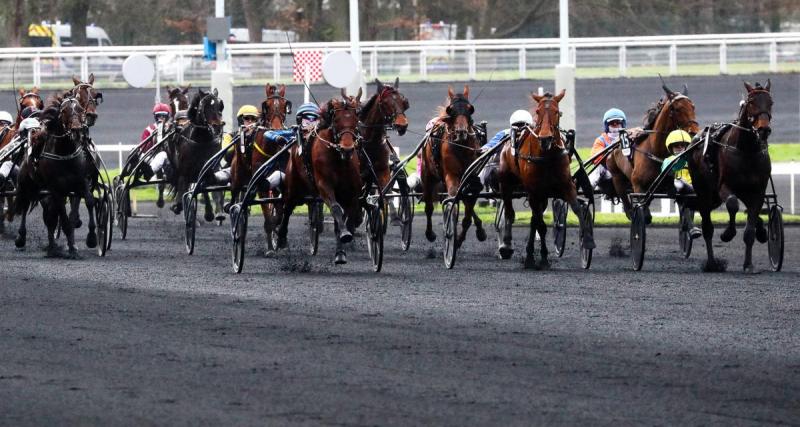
column 329, row 168
column 195, row 144
column 676, row 112
column 63, row 169
column 26, row 99
column 384, row 110
column 537, row 160
column 178, row 98
column 452, row 146
column 736, row 166
column 253, row 150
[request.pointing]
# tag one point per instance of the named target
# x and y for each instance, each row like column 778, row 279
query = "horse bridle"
column 672, row 111
column 31, row 94
column 275, row 103
column 389, row 119
column 554, row 128
column 337, row 136
column 201, row 106
column 750, row 98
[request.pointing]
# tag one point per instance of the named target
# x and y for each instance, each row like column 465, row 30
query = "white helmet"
column 5, row 117
column 520, row 116
column 29, row 123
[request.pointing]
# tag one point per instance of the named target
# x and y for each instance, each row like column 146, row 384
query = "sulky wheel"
column 775, row 237
column 374, row 233
column 315, row 225
column 638, row 237
column 450, row 225
column 104, row 217
column 123, row 209
column 588, row 220
column 190, row 218
column 684, row 237
column 406, row 213
column 559, row 226
column 238, row 217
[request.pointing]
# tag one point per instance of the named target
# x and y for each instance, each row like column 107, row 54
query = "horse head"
column 681, row 110
column 459, row 113
column 178, row 98
column 392, row 105
column 30, row 99
column 342, row 117
column 547, row 117
column 275, row 107
column 758, row 109
column 87, row 96
column 206, row 109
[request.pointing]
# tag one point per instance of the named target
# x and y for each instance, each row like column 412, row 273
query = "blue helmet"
column 614, row 114
column 309, row 109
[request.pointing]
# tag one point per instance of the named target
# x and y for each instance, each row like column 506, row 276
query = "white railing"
column 429, row 60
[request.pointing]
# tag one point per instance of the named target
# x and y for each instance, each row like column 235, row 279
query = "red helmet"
column 161, row 108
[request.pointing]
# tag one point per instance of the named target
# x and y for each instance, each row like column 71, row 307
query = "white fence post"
column 119, row 154
column 723, row 58
column 623, row 60
column 276, row 66
column 181, row 63
column 423, row 64
column 573, row 55
column 37, row 71
column 673, row 60
column 472, row 60
column 773, row 56
column 373, row 64
column 523, row 59
column 85, row 66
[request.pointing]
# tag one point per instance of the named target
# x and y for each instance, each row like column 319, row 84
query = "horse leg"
column 338, row 228
column 75, row 212
column 541, row 229
column 621, row 188
column 219, row 202
column 469, row 212
column 288, row 208
column 480, row 232
column 427, row 196
column 530, row 247
column 180, row 189
column 732, row 204
column 749, row 238
column 269, row 225
column 3, row 217
column 22, row 206
column 60, row 207
column 208, row 209
column 91, row 237
column 506, row 249
column 160, row 201
column 761, row 231
column 712, row 263
column 50, row 217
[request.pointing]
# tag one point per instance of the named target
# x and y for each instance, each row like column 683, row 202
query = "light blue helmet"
column 309, row 109
column 614, row 114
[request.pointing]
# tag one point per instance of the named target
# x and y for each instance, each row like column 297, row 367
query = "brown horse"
column 62, row 170
column 452, row 146
column 329, row 168
column 253, row 150
column 26, row 99
column 386, row 109
column 676, row 112
column 538, row 162
column 736, row 166
column 178, row 98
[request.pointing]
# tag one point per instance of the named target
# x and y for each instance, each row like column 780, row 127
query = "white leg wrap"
column 601, row 173
column 275, row 179
column 5, row 169
column 223, row 175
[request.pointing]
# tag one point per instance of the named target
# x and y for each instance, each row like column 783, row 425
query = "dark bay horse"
column 252, row 151
column 62, row 169
column 26, row 99
column 189, row 150
column 736, row 166
column 452, row 146
column 538, row 162
column 329, row 168
column 178, row 98
column 676, row 112
column 386, row 109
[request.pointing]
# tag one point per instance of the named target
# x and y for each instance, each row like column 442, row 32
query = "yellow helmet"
column 677, row 136
column 247, row 110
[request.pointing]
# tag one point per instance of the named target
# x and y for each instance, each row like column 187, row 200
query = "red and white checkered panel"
column 312, row 58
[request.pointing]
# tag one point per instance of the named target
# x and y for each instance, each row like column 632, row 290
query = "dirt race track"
column 150, row 335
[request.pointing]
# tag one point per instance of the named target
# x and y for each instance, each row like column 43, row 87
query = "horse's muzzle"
column 763, row 133
column 91, row 118
column 401, row 129
column 546, row 142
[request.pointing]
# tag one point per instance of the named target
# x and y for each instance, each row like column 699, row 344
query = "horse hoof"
column 19, row 242
column 208, row 216
column 345, row 237
column 227, row 207
column 430, row 235
column 544, row 264
column 715, row 265
column 340, row 258
column 396, row 221
column 480, row 234
column 176, row 209
column 73, row 254
column 160, row 203
column 54, row 251
column 220, row 218
column 505, row 252
column 91, row 240
column 749, row 269
column 588, row 242
column 269, row 253
column 530, row 263
column 728, row 234
column 77, row 223
column 761, row 235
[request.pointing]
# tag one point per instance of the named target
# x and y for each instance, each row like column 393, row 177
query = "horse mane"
column 367, row 107
column 194, row 104
column 441, row 111
column 649, row 119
